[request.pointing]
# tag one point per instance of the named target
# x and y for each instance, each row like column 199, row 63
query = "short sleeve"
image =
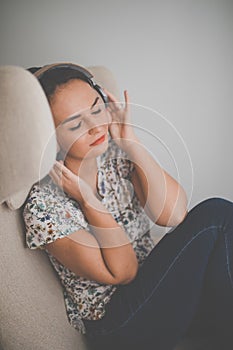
column 48, row 217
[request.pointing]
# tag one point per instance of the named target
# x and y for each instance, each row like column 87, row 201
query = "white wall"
column 174, row 57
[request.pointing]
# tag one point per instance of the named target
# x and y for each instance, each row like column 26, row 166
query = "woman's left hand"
column 72, row 184
column 121, row 128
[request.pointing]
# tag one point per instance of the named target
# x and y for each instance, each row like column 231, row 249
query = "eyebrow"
column 79, row 115
column 97, row 98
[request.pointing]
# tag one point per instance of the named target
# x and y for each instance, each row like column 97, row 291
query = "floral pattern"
column 49, row 214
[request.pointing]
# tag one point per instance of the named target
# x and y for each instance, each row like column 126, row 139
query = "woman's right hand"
column 70, row 183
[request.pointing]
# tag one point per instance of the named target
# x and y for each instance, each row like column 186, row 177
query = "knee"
column 214, row 206
column 216, row 202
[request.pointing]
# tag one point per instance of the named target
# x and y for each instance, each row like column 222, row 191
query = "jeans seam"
column 160, row 281
column 228, row 263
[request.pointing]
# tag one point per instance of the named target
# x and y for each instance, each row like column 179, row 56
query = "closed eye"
column 96, row 112
column 79, row 124
column 76, row 127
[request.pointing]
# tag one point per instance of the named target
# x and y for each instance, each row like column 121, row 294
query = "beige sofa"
column 32, row 310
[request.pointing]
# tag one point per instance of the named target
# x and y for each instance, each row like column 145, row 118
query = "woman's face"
column 81, row 120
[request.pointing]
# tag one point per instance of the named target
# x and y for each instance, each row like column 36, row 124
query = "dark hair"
column 52, row 79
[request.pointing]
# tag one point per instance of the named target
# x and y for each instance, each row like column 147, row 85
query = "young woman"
column 119, row 288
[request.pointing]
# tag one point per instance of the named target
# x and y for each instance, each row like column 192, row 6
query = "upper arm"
column 137, row 188
column 173, row 189
column 80, row 253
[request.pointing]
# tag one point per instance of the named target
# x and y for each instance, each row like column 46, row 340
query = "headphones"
column 83, row 72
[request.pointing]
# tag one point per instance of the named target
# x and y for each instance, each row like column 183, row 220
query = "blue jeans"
column 184, row 286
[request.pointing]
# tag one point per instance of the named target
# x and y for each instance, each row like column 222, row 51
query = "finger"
column 62, row 171
column 127, row 106
column 126, row 95
column 111, row 97
column 114, row 107
column 113, row 104
column 60, row 167
column 57, row 169
column 59, row 163
column 127, row 100
column 54, row 176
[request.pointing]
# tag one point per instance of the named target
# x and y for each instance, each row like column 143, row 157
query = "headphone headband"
column 87, row 76
column 40, row 72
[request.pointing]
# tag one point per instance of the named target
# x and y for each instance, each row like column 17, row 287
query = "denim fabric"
column 185, row 286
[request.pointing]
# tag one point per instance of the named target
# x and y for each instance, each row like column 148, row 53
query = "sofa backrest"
column 32, row 309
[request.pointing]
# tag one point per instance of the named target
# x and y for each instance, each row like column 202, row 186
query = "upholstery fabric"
column 32, row 310
column 27, row 142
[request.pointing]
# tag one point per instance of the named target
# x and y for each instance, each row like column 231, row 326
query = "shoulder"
column 44, row 196
column 50, row 214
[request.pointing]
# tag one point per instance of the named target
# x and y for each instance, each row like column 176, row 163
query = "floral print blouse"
column 50, row 214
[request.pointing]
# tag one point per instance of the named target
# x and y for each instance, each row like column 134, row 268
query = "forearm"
column 165, row 200
column 117, row 251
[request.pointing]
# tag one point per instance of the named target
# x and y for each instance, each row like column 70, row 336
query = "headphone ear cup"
column 102, row 93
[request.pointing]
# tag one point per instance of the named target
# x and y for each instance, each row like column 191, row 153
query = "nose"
column 94, row 128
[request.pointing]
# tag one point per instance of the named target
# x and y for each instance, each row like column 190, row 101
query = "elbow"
column 174, row 219
column 182, row 212
column 179, row 218
column 182, row 217
column 129, row 277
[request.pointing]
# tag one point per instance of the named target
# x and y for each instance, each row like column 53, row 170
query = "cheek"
column 108, row 117
column 104, row 119
column 69, row 141
column 77, row 147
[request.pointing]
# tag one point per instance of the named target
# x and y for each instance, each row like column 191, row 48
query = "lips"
column 98, row 141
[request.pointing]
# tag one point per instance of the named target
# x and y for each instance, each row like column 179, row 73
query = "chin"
column 95, row 151
column 100, row 149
